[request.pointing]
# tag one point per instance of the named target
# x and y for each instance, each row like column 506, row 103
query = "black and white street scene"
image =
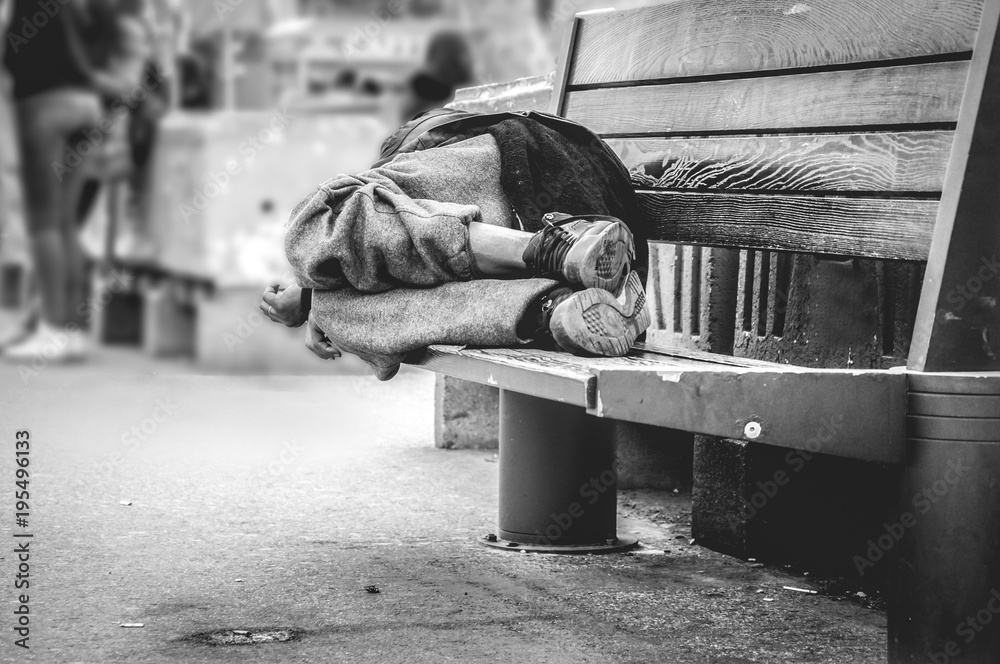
column 569, row 331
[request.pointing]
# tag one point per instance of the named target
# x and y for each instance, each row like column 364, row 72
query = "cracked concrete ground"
column 272, row 503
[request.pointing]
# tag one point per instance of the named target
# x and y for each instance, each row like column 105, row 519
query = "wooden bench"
column 843, row 128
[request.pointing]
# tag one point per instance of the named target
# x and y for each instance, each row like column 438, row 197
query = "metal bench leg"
column 944, row 580
column 558, row 486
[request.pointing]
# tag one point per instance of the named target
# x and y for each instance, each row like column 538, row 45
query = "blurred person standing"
column 66, row 60
column 447, row 66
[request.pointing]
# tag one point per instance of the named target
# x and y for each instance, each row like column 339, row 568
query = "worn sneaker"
column 593, row 251
column 48, row 343
column 595, row 322
column 78, row 345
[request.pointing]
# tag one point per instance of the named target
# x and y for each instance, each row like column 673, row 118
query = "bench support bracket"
column 558, row 485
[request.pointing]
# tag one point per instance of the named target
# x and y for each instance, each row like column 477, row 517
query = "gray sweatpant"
column 387, row 254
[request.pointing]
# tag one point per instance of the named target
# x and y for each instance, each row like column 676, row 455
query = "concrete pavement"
column 271, row 502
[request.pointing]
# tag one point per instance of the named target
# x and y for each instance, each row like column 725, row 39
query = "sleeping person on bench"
column 481, row 230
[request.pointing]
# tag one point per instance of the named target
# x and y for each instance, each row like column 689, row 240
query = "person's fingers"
column 266, row 309
column 317, row 342
column 322, row 350
column 270, row 298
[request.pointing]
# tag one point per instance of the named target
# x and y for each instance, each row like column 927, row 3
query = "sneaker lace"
column 550, row 252
column 549, row 302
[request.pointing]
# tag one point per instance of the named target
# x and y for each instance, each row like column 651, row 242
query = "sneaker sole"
column 61, row 359
column 594, row 322
column 606, row 259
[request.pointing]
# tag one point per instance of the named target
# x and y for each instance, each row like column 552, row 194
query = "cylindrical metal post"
column 558, row 486
column 944, row 581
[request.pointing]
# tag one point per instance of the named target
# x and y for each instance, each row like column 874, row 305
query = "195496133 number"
column 22, row 445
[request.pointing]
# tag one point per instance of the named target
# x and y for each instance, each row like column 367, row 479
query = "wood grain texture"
column 561, row 376
column 555, row 375
column 897, row 229
column 888, row 96
column 660, row 352
column 900, row 161
column 537, row 373
column 714, row 37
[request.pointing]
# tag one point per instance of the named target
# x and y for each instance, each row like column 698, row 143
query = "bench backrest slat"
column 905, row 162
column 898, row 229
column 712, row 38
column 889, row 96
column 821, row 127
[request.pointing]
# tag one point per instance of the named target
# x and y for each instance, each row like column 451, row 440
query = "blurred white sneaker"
column 48, row 343
column 78, row 345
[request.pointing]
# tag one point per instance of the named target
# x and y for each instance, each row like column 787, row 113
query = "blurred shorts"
column 58, row 113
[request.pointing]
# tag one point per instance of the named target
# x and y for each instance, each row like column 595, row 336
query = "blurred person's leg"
column 43, row 143
column 76, row 262
column 89, row 195
column 52, row 181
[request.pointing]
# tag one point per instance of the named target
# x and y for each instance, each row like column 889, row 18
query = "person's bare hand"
column 319, row 343
column 284, row 305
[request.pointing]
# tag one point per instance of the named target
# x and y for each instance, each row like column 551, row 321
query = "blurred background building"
column 266, row 99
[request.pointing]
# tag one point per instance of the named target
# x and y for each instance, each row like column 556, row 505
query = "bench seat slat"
column 553, row 376
column 897, row 229
column 890, row 96
column 887, row 161
column 558, row 376
column 854, row 414
column 703, row 393
column 701, row 38
column 659, row 352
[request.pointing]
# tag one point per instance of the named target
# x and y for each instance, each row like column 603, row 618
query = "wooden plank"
column 912, row 94
column 877, row 228
column 717, row 37
column 888, row 161
column 854, row 414
column 956, row 326
column 564, row 65
column 562, row 376
column 537, row 373
column 659, row 352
